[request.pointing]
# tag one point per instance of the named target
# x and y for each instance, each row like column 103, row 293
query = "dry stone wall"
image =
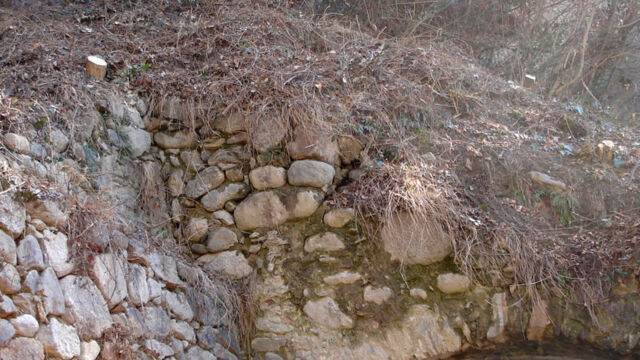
column 241, row 207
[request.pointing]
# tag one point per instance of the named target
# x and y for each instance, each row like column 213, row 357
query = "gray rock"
column 156, row 320
column 262, row 344
column 59, row 339
column 221, row 239
column 178, row 305
column 7, row 332
column 327, row 241
column 272, row 356
column 29, row 254
column 135, row 322
column 155, row 288
column 325, row 311
column 268, row 177
column 310, row 173
column 338, row 218
column 57, row 250
column 303, row 203
column 138, row 141
column 165, row 269
column 223, row 354
column 230, row 124
column 377, row 295
column 197, row 353
column 416, row 241
column 230, row 263
column 199, row 249
column 59, row 141
column 175, row 183
column 196, row 229
column 216, row 199
column 132, row 116
column 177, row 140
column 32, row 281
column 9, row 279
column 496, row 331
column 25, row 325
column 343, row 278
column 107, row 270
column 7, row 247
column 137, row 285
column 52, row 294
column 418, row 293
column 192, row 160
column 204, row 181
column 17, row 143
column 86, row 306
column 313, row 144
column 89, row 350
column 207, row 309
column 451, row 283
column 49, row 212
column 224, row 216
column 272, row 325
column 157, row 349
column 207, row 337
column 12, row 215
column 260, row 210
column 182, row 330
column 22, row 349
column 37, row 151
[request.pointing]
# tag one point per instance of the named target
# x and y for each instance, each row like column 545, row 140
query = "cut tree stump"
column 96, row 67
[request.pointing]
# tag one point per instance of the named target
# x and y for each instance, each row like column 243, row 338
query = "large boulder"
column 57, row 249
column 17, row 143
column 22, row 348
column 303, row 203
column 310, row 173
column 260, row 210
column 415, row 241
column 7, row 248
column 138, row 141
column 220, row 239
column 338, row 218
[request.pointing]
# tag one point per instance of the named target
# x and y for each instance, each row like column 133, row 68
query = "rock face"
column 260, row 210
column 59, row 340
column 310, row 173
column 57, row 250
column 49, row 287
column 22, row 348
column 268, row 177
column 137, row 285
column 324, row 242
column 325, row 311
column 415, row 241
column 48, row 211
column 86, row 305
column 108, row 272
column 231, row 263
column 12, row 215
column 453, row 283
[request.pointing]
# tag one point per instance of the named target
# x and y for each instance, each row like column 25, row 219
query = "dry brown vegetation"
column 408, row 99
